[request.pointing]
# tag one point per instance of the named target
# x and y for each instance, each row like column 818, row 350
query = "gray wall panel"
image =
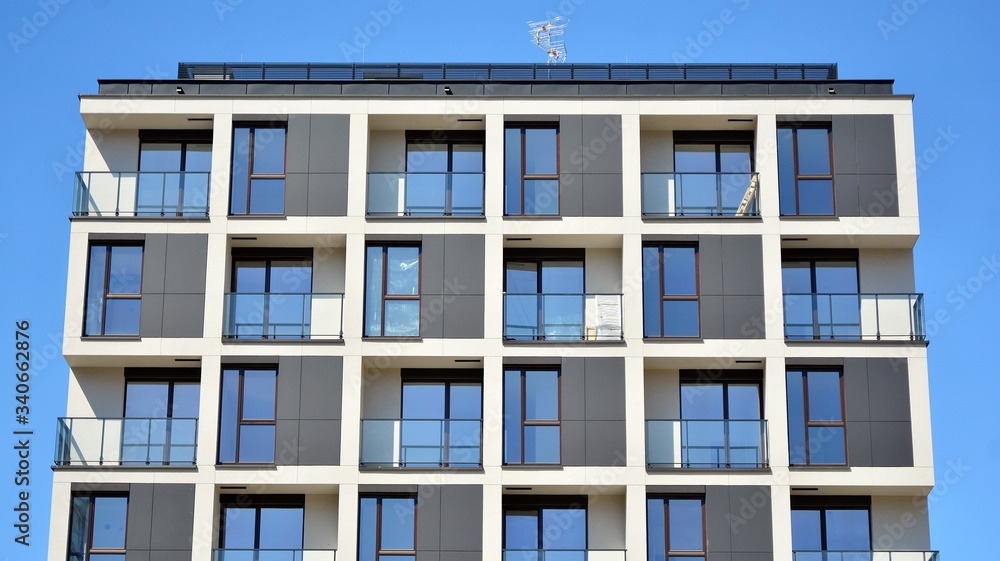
column 183, row 315
column 327, row 194
column 856, row 389
column 173, row 515
column 574, row 443
column 859, row 444
column 431, row 315
column 296, row 194
column 878, row 195
column 321, row 387
column 297, row 144
column 464, row 316
column 154, row 263
column 845, row 187
column 286, row 442
column 876, row 143
column 892, row 444
column 710, row 266
column 605, row 441
column 432, row 258
column 186, row 264
column 429, row 518
column 888, row 391
column 574, row 389
column 465, row 264
column 601, row 144
column 319, row 442
column 845, row 149
column 140, row 516
column 750, row 519
column 461, row 518
column 713, row 319
column 605, row 389
column 137, row 555
column 717, row 530
column 570, row 143
column 151, row 315
column 329, row 136
column 289, row 386
column 740, row 315
column 602, row 194
column 571, row 194
column 742, row 265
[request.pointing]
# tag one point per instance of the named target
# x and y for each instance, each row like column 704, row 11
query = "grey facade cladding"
column 160, row 522
column 864, row 165
column 173, row 285
column 877, row 412
column 593, row 411
column 452, row 286
column 309, row 405
column 590, row 165
column 317, row 165
column 738, row 523
column 449, row 519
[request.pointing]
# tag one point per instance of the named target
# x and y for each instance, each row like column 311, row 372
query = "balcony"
column 126, row 442
column 564, row 555
column 865, row 556
column 283, row 316
column 421, row 443
column 854, row 317
column 706, row 444
column 274, row 555
column 700, row 195
column 428, row 194
column 562, row 317
column 178, row 194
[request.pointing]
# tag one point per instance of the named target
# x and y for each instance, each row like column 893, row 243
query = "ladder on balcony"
column 748, row 197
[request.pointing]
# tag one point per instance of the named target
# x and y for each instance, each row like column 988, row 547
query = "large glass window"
column 531, row 416
column 444, row 176
column 273, row 525
column 161, row 422
column 247, row 416
column 545, row 299
column 392, row 291
column 675, row 529
column 721, row 424
column 821, row 297
column 97, row 527
column 441, row 423
column 712, row 177
column 387, row 529
column 545, row 528
column 174, row 171
column 844, row 529
column 114, row 285
column 817, row 433
column 272, row 295
column 531, row 169
column 805, row 169
column 258, row 183
column 670, row 291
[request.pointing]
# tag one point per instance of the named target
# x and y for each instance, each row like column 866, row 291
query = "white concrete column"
column 635, row 522
column 492, row 412
column 632, row 286
column 631, row 166
column 222, row 150
column 635, row 412
column 203, row 537
column 350, row 430
column 357, row 167
column 347, row 522
column 215, row 285
column 208, row 409
column 58, row 519
column 766, row 160
column 781, row 521
column 492, row 522
column 494, row 165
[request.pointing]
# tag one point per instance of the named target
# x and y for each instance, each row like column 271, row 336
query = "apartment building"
column 430, row 312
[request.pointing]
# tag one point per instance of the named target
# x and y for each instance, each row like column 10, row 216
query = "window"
column 114, row 285
column 258, row 183
column 712, row 176
column 544, row 299
column 97, row 527
column 444, row 176
column 247, row 416
column 442, row 423
column 272, row 295
column 670, row 291
column 721, row 424
column 805, row 169
column 392, row 291
column 387, row 529
column 531, row 416
column 838, row 524
column 174, row 171
column 675, row 528
column 531, row 169
column 161, row 422
column 268, row 523
column 821, row 295
column 534, row 525
column 817, row 433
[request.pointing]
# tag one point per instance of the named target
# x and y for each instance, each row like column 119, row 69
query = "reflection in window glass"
column 558, row 531
column 247, row 415
column 387, row 528
column 838, row 528
column 805, row 174
column 675, row 528
column 258, row 170
column 531, row 168
column 97, row 522
column 392, row 291
column 114, row 283
column 818, row 438
column 670, row 292
column 531, row 435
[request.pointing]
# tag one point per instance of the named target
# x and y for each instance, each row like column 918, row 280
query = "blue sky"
column 944, row 52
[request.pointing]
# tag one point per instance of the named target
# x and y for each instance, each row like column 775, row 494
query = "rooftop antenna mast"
column 548, row 35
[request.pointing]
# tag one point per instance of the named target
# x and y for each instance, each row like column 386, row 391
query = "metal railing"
column 126, row 441
column 563, row 555
column 706, row 444
column 274, row 555
column 865, row 556
column 854, row 317
column 283, row 316
column 426, row 194
column 484, row 72
column 700, row 194
column 562, row 317
column 152, row 194
column 421, row 443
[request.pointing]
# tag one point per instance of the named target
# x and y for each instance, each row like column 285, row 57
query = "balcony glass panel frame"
column 126, row 441
column 563, row 317
column 709, row 444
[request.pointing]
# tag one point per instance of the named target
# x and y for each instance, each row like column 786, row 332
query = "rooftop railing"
column 505, row 72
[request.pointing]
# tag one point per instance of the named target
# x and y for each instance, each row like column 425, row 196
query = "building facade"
column 498, row 312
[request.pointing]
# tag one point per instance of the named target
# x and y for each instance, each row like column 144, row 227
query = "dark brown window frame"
column 725, row 383
column 668, row 553
column 524, row 422
column 534, row 177
column 449, row 139
column 795, row 127
column 257, row 503
column 385, row 284
column 183, row 138
column 252, row 139
column 842, row 423
column 89, row 540
column 171, row 383
column 379, row 552
column 106, row 295
column 240, row 421
column 538, row 503
column 822, row 504
column 428, row 379
column 819, row 257
column 677, row 297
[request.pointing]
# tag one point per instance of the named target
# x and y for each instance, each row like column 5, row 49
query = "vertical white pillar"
column 357, row 169
column 631, row 167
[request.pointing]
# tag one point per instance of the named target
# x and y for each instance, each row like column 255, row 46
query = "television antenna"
column 547, row 34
